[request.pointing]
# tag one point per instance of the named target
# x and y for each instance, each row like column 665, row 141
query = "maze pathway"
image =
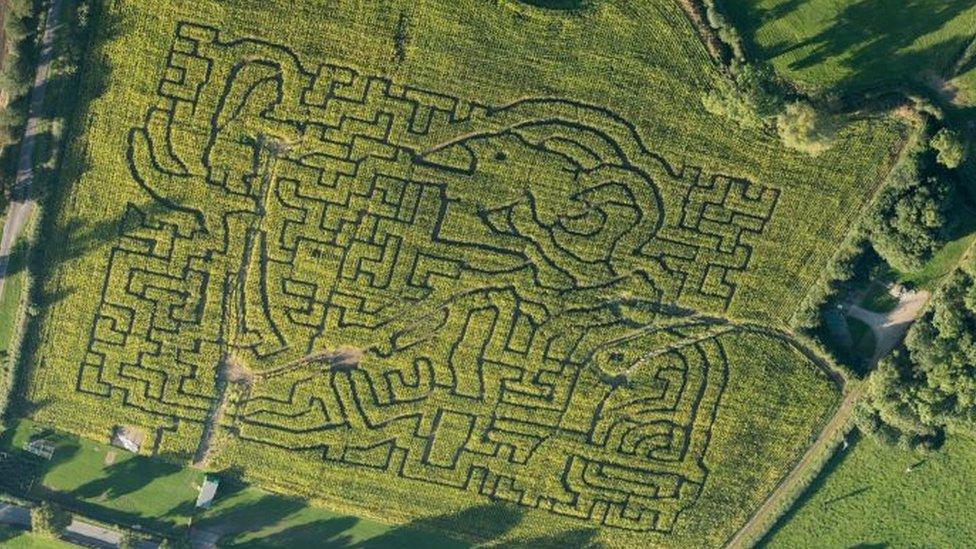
column 515, row 300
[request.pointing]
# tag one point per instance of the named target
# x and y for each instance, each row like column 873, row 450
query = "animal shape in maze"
column 509, row 278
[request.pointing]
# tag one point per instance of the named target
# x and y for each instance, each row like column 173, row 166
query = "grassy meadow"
column 854, row 45
column 870, row 495
column 99, row 480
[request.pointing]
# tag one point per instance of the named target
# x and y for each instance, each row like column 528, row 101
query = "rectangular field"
column 98, row 480
column 451, row 264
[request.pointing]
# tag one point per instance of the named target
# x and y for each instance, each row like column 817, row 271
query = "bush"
column 801, row 127
column 751, row 99
column 49, row 520
column 727, row 102
column 950, row 148
column 908, row 222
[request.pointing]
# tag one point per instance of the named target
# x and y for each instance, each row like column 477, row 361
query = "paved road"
column 79, row 532
column 22, row 204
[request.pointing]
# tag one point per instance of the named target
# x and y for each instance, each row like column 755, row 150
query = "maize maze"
column 494, row 299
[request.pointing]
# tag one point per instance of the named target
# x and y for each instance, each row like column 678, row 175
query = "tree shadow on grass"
column 487, row 523
column 873, row 35
column 811, row 490
column 126, row 477
column 8, row 532
column 237, row 520
column 322, row 533
column 867, row 38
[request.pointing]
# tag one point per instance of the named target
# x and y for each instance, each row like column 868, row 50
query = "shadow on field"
column 874, row 32
column 126, row 477
column 21, row 474
column 8, row 533
column 867, row 37
column 54, row 179
column 560, row 5
column 489, row 523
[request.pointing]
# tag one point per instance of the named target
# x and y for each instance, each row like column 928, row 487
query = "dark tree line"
column 909, row 220
column 20, row 24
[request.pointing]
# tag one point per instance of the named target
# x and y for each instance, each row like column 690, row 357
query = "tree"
column 801, row 127
column 130, row 539
column 908, row 220
column 950, row 148
column 916, row 396
column 752, row 98
column 49, row 520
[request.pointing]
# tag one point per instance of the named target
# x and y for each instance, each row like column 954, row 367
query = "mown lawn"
column 852, row 45
column 876, row 496
column 250, row 517
column 15, row 538
column 108, row 483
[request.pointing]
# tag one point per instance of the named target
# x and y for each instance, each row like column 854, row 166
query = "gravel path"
column 889, row 328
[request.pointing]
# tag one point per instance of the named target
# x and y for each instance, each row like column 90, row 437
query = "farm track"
column 895, row 327
column 784, row 490
column 890, row 327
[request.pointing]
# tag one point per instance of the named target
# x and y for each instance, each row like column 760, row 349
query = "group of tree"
column 910, row 218
column 755, row 98
column 49, row 520
column 918, row 394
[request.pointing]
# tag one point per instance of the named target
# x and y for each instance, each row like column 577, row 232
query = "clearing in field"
column 99, row 480
column 428, row 262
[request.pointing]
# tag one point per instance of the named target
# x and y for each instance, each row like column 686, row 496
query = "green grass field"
column 490, row 253
column 853, row 45
column 877, row 496
column 250, row 517
column 101, row 481
column 13, row 538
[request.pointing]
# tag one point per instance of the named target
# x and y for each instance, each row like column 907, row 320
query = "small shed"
column 207, row 492
column 41, row 447
column 127, row 438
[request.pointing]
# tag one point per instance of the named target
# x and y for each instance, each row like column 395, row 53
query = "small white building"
column 207, row 492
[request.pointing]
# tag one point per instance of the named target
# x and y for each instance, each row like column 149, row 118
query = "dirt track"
column 782, row 492
column 22, row 204
column 890, row 327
